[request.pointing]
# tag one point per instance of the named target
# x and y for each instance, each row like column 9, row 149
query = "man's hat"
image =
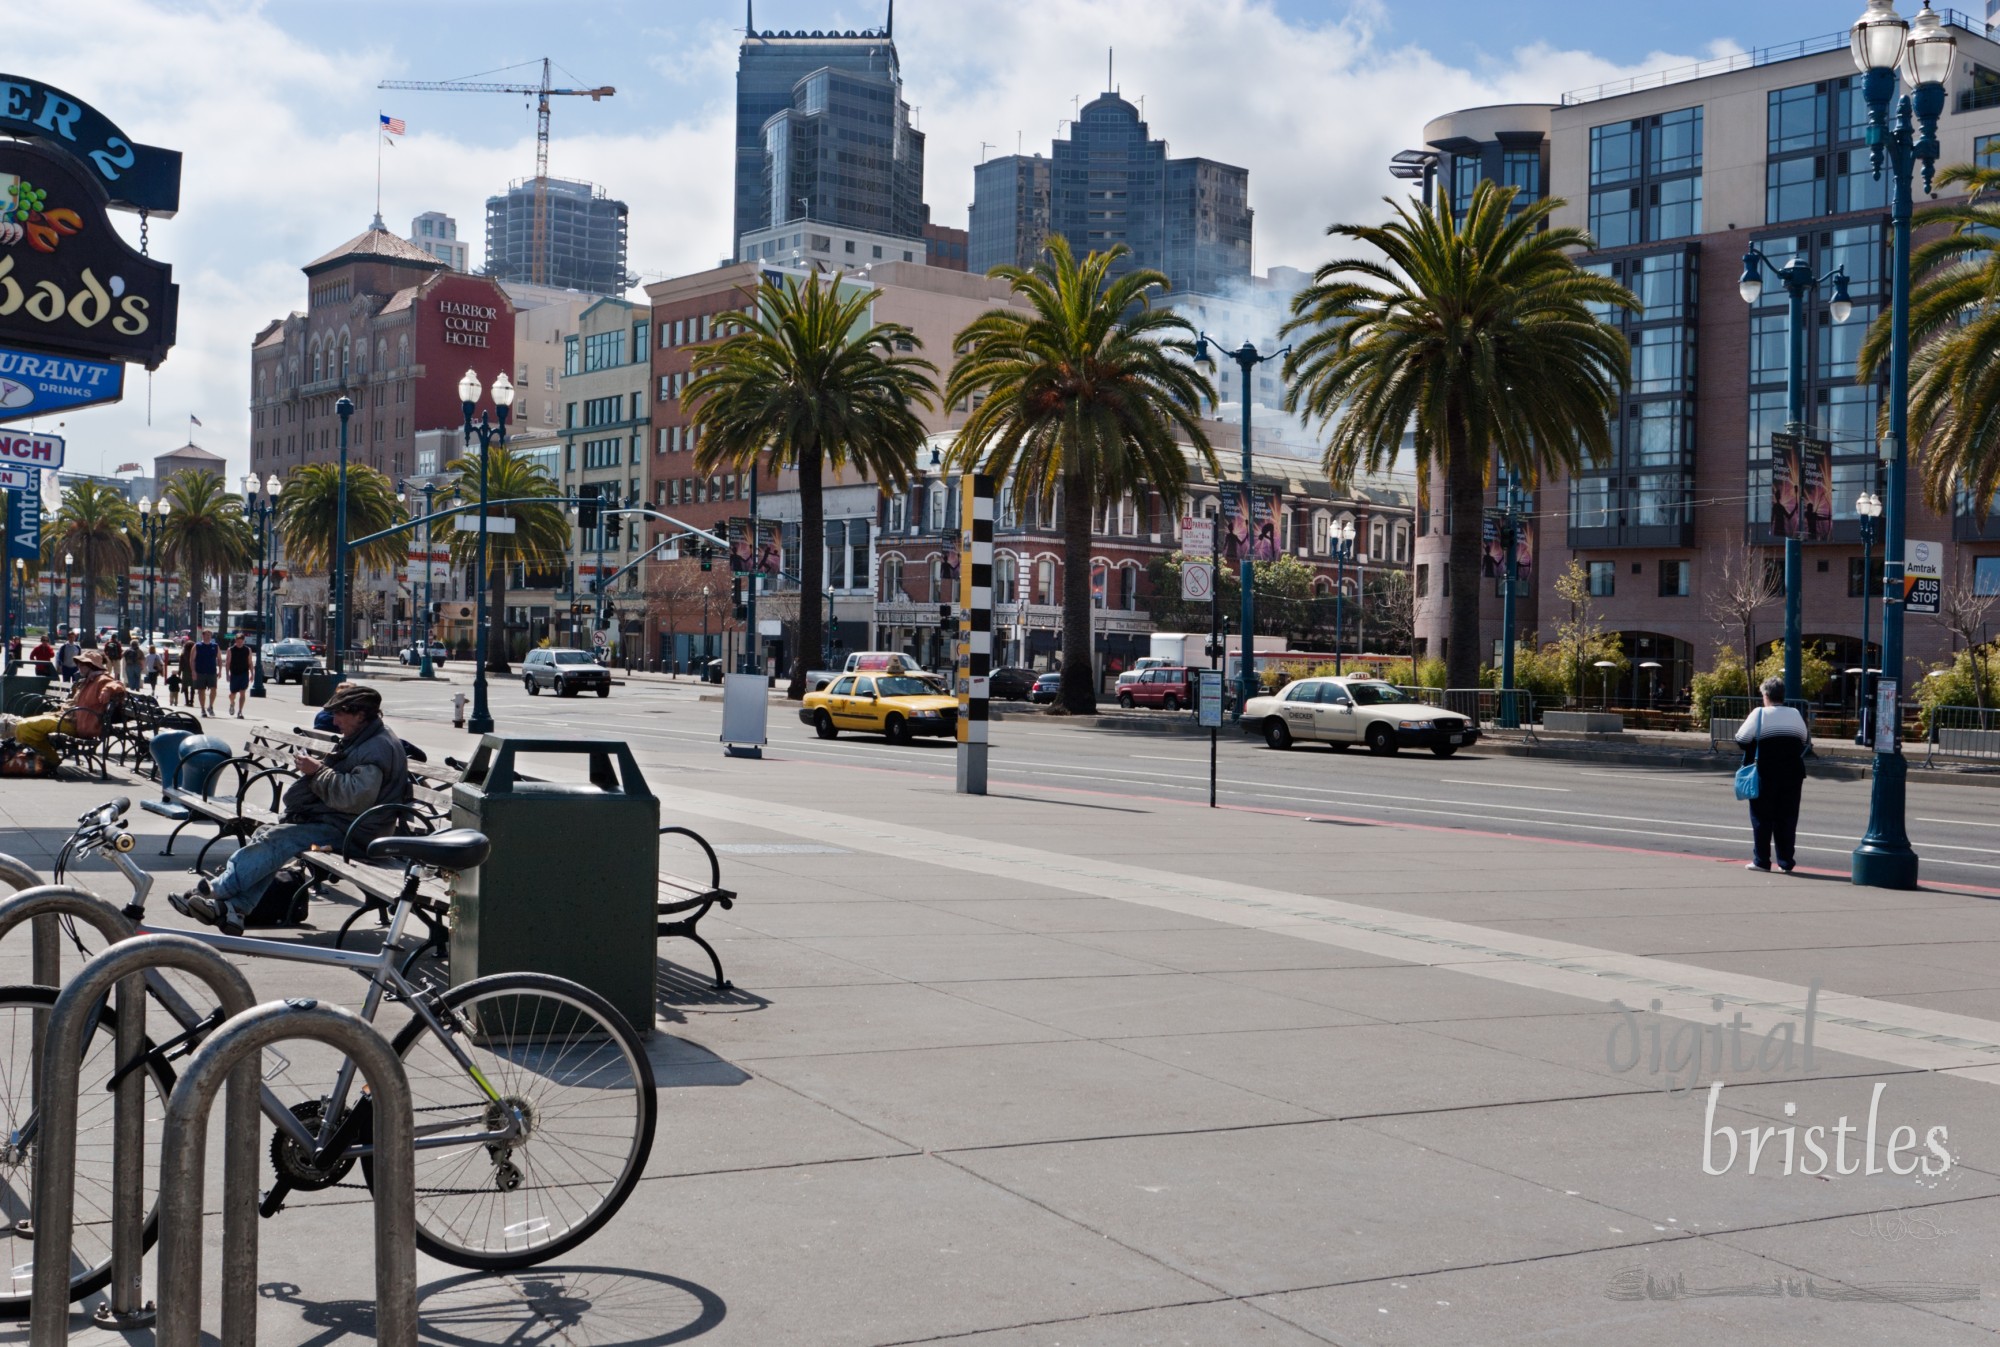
column 354, row 697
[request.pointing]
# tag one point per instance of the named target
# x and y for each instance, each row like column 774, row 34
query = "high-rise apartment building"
column 823, row 134
column 1111, row 183
column 437, row 234
column 583, row 236
column 1676, row 177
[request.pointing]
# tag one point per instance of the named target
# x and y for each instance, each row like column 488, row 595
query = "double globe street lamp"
column 1884, row 43
column 489, row 433
column 1867, row 509
column 152, row 523
column 258, row 510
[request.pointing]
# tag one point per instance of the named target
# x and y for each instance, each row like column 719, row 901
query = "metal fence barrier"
column 124, row 965
column 238, row 1042
column 1963, row 732
column 1512, row 708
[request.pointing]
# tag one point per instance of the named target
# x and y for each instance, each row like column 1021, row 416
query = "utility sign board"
column 32, row 384
column 23, row 450
column 18, row 479
column 1209, row 695
column 1198, row 537
column 1923, row 576
column 495, row 523
column 1197, row 581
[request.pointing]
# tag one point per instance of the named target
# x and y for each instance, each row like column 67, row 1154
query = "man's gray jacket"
column 364, row 770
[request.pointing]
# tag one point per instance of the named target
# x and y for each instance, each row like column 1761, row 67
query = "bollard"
column 458, row 710
column 182, row 1163
column 124, row 964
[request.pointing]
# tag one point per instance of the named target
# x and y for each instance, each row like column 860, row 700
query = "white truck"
column 868, row 661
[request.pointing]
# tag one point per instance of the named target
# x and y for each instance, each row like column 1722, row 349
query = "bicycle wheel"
column 573, row 1072
column 20, row 1008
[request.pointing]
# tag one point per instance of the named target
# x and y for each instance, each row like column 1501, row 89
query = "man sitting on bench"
column 366, row 768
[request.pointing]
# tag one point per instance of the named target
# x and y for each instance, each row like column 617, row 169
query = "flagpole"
column 378, row 168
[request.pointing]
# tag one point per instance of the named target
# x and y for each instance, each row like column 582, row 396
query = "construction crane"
column 538, row 263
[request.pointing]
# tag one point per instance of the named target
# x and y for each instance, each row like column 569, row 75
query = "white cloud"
column 279, row 154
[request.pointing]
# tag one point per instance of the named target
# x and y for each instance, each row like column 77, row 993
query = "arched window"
column 1322, row 533
column 1128, row 587
column 260, row 384
column 316, row 370
column 1006, row 578
column 892, row 579
column 1045, row 580
column 343, row 358
column 1376, row 531
column 403, row 351
column 1400, row 542
column 381, row 355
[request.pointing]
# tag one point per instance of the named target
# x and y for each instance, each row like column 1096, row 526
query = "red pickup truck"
column 1169, row 688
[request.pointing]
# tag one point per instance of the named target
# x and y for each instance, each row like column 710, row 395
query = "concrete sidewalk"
column 1057, row 1067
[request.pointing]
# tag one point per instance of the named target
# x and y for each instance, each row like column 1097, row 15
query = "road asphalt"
column 1383, row 1050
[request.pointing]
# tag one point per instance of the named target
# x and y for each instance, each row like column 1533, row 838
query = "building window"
column 666, row 387
column 639, row 339
column 899, row 511
column 1423, row 581
column 1674, row 579
column 1871, row 578
column 892, row 580
column 1400, row 540
column 603, row 411
column 603, row 350
column 572, row 358
column 1522, row 170
column 600, row 454
column 1645, row 178
column 1603, row 578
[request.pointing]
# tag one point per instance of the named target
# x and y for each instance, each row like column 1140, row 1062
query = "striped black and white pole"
column 975, row 627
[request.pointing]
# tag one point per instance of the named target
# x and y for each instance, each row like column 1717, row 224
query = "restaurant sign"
column 69, row 285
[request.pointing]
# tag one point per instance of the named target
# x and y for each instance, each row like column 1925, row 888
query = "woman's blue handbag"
column 1746, row 775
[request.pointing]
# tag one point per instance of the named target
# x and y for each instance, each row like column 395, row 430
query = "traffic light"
column 736, row 598
column 586, row 508
column 946, row 623
column 707, row 557
column 611, row 507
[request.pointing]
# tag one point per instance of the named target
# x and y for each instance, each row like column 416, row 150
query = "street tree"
column 1478, row 335
column 92, row 524
column 804, row 381
column 1390, row 600
column 1966, row 613
column 1083, row 394
column 540, row 538
column 205, row 534
column 1742, row 583
column 1581, row 641
column 308, row 522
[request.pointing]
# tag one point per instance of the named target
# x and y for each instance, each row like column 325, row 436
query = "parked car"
column 414, row 653
column 1047, row 688
column 1348, row 711
column 1168, row 687
column 1010, row 684
column 287, row 661
column 899, row 707
column 566, row 672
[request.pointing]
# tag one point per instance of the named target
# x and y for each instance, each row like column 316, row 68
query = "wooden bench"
column 72, row 749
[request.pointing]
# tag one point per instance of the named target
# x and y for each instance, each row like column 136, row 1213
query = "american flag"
column 393, row 125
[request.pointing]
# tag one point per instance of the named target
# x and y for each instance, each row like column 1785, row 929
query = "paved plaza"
column 1077, row 1063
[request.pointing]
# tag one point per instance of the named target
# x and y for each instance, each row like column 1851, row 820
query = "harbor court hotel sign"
column 467, row 324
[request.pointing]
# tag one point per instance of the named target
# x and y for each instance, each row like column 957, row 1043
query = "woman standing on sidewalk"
column 1775, row 737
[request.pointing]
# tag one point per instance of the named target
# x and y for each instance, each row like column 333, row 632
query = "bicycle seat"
column 454, row 849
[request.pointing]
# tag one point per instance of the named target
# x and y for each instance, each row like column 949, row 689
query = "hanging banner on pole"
column 1801, row 487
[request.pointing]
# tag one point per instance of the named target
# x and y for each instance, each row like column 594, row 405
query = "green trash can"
column 571, row 886
column 317, row 684
column 16, row 688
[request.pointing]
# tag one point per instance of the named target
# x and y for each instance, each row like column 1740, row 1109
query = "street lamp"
column 148, row 535
column 430, row 490
column 69, row 591
column 1604, row 668
column 1882, row 42
column 1510, row 506
column 259, row 510
column 1343, row 548
column 1868, row 509
column 1799, row 281
column 1247, row 359
column 502, row 393
column 343, row 409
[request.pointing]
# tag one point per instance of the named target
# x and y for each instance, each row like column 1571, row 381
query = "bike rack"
column 235, row 1043
column 18, row 874
column 123, row 965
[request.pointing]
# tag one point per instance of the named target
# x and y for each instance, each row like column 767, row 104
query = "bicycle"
column 534, row 1097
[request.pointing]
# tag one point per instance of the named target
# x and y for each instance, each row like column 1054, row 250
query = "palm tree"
column 1089, row 391
column 540, row 537
column 91, row 524
column 308, row 522
column 1474, row 333
column 205, row 535
column 806, row 382
column 1955, row 337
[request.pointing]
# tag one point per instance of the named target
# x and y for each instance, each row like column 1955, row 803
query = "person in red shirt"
column 44, row 656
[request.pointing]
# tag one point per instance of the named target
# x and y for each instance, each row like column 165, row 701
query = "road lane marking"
column 1959, row 822
column 1501, row 785
column 1915, row 1037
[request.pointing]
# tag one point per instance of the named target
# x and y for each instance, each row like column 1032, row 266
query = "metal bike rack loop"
column 18, row 874
column 181, row 1168
column 124, row 965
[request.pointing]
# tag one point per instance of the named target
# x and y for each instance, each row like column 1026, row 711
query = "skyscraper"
column 1111, row 183
column 584, row 237
column 823, row 134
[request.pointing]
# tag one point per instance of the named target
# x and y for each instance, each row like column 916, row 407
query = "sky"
column 274, row 105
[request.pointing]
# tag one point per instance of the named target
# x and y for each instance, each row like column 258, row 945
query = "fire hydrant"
column 458, row 710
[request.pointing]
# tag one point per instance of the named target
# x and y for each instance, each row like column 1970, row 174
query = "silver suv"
column 569, row 672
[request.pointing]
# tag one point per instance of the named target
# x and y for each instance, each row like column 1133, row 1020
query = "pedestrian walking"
column 156, row 665
column 1774, row 737
column 207, row 665
column 134, row 662
column 239, row 674
column 184, row 670
column 66, row 654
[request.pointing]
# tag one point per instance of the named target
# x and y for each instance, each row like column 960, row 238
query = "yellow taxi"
column 899, row 707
